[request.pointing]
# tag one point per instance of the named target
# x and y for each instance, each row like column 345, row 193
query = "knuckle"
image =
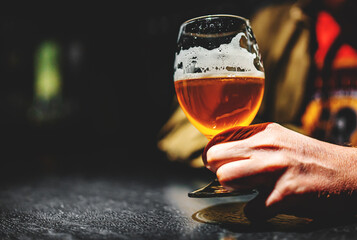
column 274, row 126
column 270, row 135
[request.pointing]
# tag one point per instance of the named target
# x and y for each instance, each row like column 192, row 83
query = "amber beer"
column 215, row 104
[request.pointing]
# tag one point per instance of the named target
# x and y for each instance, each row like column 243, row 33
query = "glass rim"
column 213, row 15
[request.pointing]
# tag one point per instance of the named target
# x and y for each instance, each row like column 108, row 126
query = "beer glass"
column 218, row 77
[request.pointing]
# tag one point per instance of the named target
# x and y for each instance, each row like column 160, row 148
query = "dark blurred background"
column 89, row 86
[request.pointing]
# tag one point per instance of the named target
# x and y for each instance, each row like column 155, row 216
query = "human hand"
column 294, row 173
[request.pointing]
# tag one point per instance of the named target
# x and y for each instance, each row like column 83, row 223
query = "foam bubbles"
column 227, row 60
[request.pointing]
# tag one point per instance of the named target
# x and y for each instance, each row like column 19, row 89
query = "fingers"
column 247, row 158
column 227, row 148
column 248, row 174
column 235, row 134
column 221, row 154
column 246, row 164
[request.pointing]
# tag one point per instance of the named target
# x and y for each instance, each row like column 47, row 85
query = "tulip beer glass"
column 218, row 74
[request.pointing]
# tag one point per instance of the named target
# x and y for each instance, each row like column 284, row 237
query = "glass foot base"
column 215, row 189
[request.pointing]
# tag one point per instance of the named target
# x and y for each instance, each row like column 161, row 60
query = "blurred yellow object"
column 47, row 75
column 47, row 103
column 182, row 141
column 311, row 118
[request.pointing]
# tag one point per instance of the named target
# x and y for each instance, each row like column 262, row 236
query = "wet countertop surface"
column 141, row 205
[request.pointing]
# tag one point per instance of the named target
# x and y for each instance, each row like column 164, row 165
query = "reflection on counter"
column 231, row 215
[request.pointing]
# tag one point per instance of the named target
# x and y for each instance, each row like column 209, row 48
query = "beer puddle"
column 231, row 216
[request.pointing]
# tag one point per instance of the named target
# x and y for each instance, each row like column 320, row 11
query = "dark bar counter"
column 140, row 202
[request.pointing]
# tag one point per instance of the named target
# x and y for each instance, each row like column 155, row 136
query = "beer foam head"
column 229, row 60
